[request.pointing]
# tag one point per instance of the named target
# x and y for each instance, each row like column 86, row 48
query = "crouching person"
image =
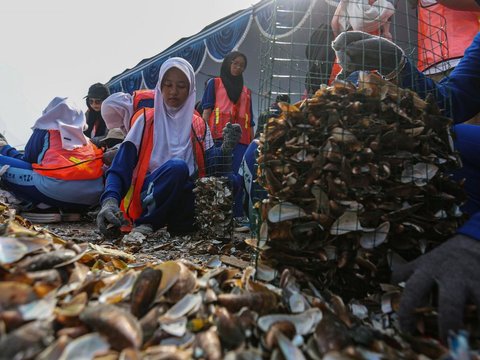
column 60, row 166
column 151, row 177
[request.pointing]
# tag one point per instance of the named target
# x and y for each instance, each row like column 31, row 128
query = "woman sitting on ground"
column 167, row 147
column 60, row 166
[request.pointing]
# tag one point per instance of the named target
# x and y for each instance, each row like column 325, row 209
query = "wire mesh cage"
column 355, row 166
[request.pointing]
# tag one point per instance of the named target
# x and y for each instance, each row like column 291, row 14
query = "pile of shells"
column 61, row 300
column 357, row 176
column 213, row 207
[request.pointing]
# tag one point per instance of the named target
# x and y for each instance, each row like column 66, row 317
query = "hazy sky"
column 54, row 48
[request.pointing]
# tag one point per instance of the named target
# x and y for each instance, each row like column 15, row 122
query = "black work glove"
column 109, row 154
column 97, row 140
column 231, row 136
column 110, row 213
column 357, row 50
column 454, row 267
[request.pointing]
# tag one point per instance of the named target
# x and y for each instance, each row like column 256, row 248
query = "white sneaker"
column 145, row 229
column 241, row 224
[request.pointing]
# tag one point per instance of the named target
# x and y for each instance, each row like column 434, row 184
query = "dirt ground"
column 160, row 246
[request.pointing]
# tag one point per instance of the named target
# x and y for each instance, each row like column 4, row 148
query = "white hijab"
column 117, row 110
column 172, row 126
column 63, row 115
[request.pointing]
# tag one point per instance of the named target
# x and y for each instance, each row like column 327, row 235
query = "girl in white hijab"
column 60, row 167
column 165, row 149
column 117, row 110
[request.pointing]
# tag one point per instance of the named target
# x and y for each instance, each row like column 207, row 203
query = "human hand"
column 454, row 267
column 108, row 155
column 110, row 213
column 97, row 141
column 357, row 50
column 231, row 136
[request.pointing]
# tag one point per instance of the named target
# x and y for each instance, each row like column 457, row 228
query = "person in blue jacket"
column 168, row 146
column 228, row 99
column 453, row 266
column 248, row 168
column 60, row 167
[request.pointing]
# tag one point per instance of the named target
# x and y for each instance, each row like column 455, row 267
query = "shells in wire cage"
column 213, row 207
column 353, row 173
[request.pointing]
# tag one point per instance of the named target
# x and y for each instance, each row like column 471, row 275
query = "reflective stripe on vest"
column 136, row 115
column 132, row 203
column 197, row 136
column 81, row 163
column 443, row 35
column 225, row 111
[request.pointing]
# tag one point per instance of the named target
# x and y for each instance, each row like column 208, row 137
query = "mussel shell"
column 144, row 291
column 120, row 327
column 26, row 341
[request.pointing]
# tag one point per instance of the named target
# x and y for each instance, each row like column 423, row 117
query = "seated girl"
column 60, row 166
column 151, row 177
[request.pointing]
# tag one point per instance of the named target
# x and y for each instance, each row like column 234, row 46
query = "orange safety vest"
column 143, row 99
column 226, row 111
column 131, row 204
column 443, row 34
column 81, row 163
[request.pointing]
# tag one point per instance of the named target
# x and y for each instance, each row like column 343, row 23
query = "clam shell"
column 47, row 260
column 209, row 343
column 304, row 323
column 370, row 240
column 54, row 350
column 13, row 249
column 15, row 293
column 144, row 291
column 176, row 327
column 262, row 302
column 120, row 289
column 185, row 283
column 265, row 272
column 189, row 303
column 85, row 347
column 120, row 327
column 289, row 351
column 71, row 310
column 346, row 223
column 39, row 309
column 285, row 211
column 26, row 341
column 170, row 274
column 419, row 174
column 343, row 136
column 229, row 329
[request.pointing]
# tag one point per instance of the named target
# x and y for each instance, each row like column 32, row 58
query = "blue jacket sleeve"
column 208, row 99
column 10, row 151
column 36, row 146
column 119, row 175
column 457, row 94
column 471, row 227
column 34, row 149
